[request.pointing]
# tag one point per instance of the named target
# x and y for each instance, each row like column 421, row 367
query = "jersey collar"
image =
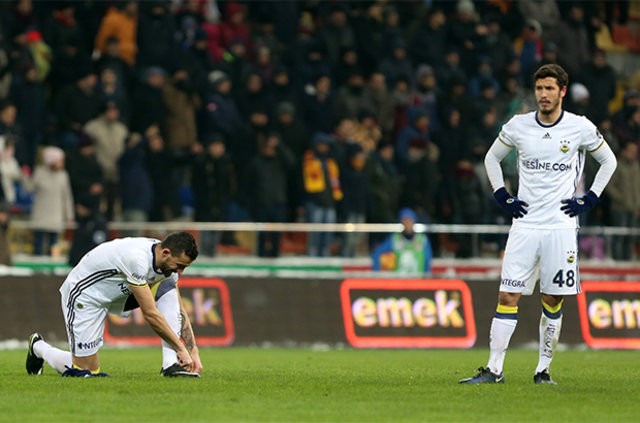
column 544, row 125
column 153, row 258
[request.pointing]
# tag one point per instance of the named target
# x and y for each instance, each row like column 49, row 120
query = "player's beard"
column 552, row 107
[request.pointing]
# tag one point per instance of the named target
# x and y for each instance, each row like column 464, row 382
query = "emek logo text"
column 442, row 310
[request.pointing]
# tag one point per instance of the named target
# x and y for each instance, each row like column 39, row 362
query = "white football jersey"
column 550, row 163
column 103, row 276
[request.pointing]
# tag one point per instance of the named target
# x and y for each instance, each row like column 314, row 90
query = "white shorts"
column 551, row 254
column 85, row 325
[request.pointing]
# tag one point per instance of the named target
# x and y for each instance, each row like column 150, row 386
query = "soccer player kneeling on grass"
column 116, row 277
column 551, row 145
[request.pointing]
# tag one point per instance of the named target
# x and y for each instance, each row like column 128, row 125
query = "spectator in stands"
column 194, row 55
column 419, row 127
column 572, row 39
column 10, row 173
column 397, row 64
column 246, row 145
column 369, row 31
column 421, row 179
column 120, row 22
column 386, row 183
column 91, row 230
column 624, row 191
column 630, row 102
column 469, row 202
column 264, row 64
column 29, row 97
column 136, row 186
column 450, row 70
column 466, row 33
column 379, row 101
column 220, row 113
column 234, row 27
column 61, row 29
column 85, row 174
column 5, row 248
column 348, row 64
column 427, row 93
column 528, row 47
column 110, row 58
column 452, row 140
column 109, row 136
column 281, row 88
column 53, row 200
column 155, row 36
column 74, row 106
column 147, row 101
column 629, row 130
column 181, row 102
column 321, row 177
column 253, row 95
column 600, row 79
column 293, row 132
column 429, row 44
column 499, row 46
column 546, row 12
column 579, row 99
column 355, row 185
column 484, row 78
column 266, row 190
column 318, row 106
column 406, row 252
column 264, row 35
column 9, row 129
column 366, row 130
column 337, row 32
column 214, row 183
column 112, row 90
column 350, row 97
column 70, row 63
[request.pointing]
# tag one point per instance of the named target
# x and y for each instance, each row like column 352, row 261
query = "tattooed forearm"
column 186, row 333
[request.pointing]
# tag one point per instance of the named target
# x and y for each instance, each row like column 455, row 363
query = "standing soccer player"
column 551, row 145
column 116, row 277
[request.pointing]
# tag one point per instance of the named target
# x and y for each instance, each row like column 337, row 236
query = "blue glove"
column 576, row 206
column 512, row 205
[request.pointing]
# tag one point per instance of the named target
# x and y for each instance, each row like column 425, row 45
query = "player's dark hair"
column 181, row 242
column 552, row 70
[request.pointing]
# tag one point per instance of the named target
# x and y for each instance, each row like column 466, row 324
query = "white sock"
column 53, row 356
column 549, row 335
column 499, row 337
column 170, row 309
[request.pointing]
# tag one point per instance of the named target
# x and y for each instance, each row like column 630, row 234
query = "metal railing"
column 475, row 231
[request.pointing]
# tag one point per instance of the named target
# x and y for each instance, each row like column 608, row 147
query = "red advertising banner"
column 208, row 304
column 407, row 313
column 610, row 314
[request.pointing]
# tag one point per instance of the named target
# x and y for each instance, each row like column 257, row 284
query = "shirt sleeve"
column 608, row 164
column 497, row 152
column 135, row 267
column 591, row 138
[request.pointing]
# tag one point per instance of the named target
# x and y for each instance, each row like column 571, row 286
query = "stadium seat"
column 624, row 35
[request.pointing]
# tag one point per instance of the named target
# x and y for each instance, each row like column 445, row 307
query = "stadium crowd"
column 278, row 111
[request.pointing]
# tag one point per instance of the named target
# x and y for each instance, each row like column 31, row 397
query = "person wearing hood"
column 405, row 252
column 321, row 177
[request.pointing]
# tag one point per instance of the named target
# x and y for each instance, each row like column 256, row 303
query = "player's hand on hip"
column 576, row 206
column 511, row 204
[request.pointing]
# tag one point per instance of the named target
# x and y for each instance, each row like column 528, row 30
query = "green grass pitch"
column 302, row 385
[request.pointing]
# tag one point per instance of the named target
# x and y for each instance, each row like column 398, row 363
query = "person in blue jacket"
column 405, row 252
